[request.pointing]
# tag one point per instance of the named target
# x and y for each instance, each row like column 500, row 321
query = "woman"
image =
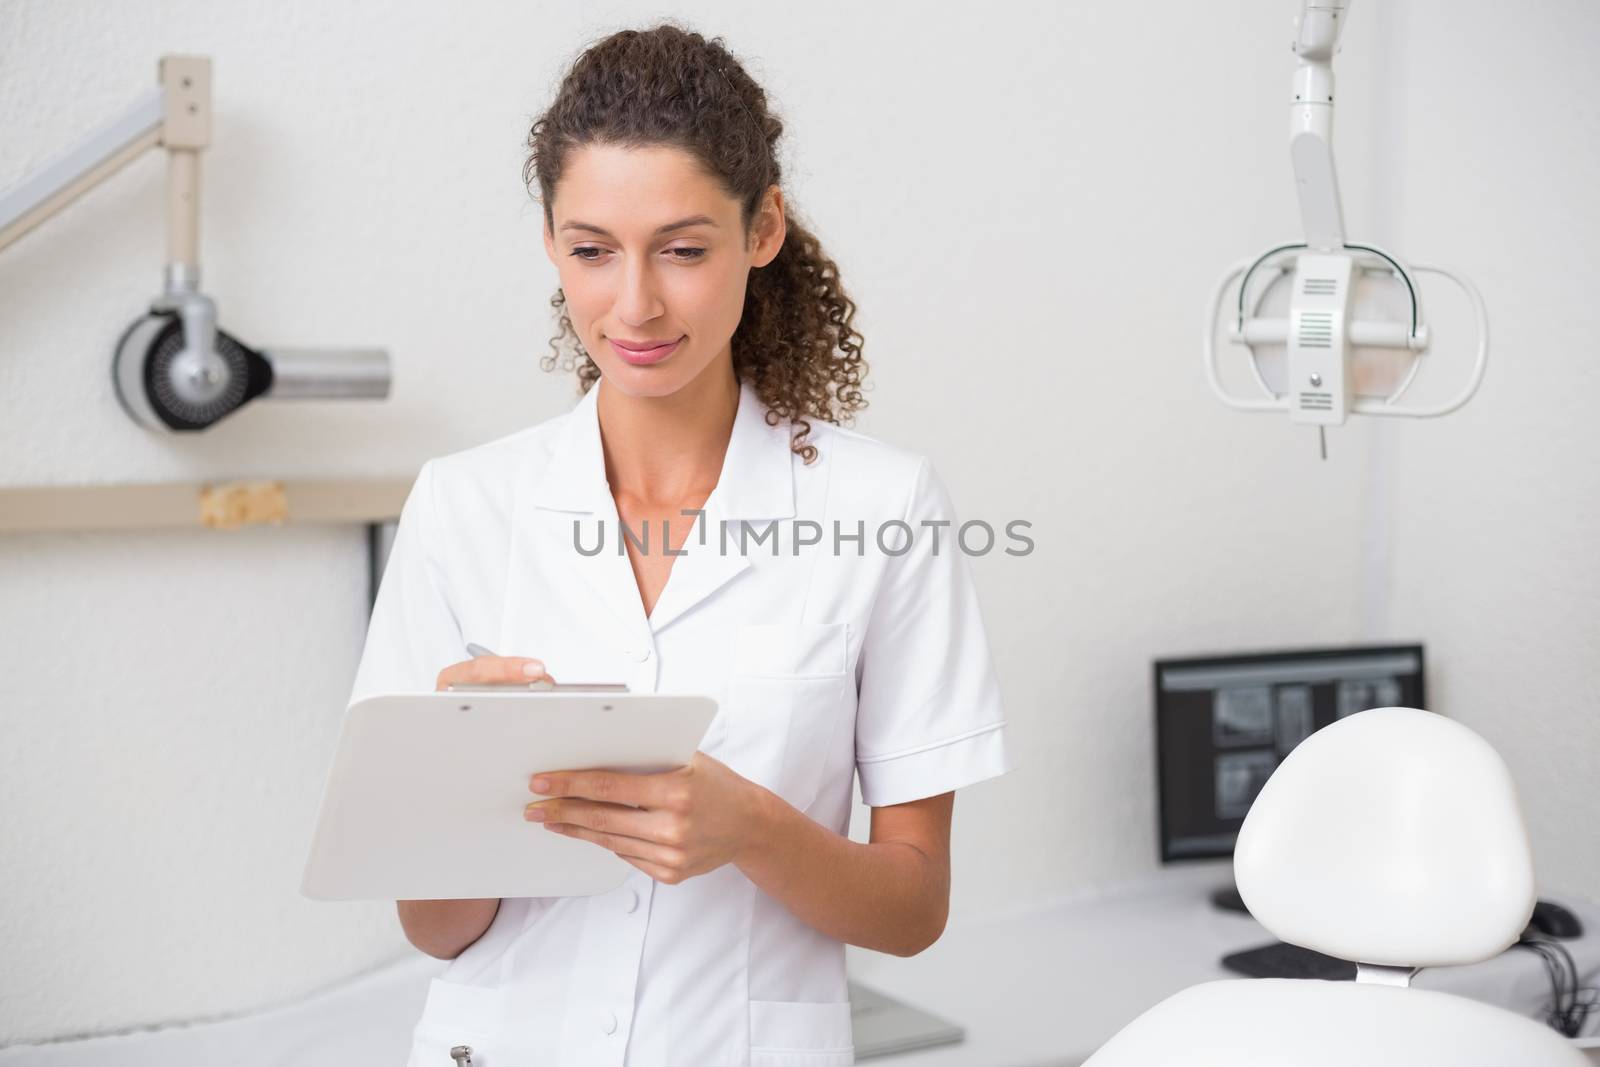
column 775, row 573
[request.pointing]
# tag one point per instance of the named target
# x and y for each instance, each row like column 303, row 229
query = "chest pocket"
column 787, row 688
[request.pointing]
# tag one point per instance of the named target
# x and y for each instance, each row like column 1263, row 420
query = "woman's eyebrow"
column 692, row 220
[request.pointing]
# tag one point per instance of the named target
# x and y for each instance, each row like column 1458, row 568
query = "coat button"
column 630, row 902
column 639, row 653
column 609, row 1023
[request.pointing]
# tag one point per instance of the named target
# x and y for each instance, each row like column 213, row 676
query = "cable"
column 1244, row 283
column 1570, row 1004
column 1398, row 269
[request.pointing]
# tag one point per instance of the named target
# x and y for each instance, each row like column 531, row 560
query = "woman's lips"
column 643, row 357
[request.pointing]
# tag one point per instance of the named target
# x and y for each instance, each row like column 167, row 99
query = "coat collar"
column 757, row 479
column 756, row 483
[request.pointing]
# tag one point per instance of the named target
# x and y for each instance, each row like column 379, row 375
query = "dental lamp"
column 173, row 369
column 1345, row 334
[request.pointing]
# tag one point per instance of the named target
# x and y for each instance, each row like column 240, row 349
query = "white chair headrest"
column 1392, row 836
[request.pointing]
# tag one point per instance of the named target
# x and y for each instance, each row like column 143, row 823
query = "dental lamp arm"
column 1316, row 41
column 176, row 115
column 183, row 379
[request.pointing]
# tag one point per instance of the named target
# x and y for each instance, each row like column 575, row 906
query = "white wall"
column 1492, row 516
column 1029, row 204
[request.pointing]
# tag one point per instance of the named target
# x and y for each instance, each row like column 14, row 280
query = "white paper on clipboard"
column 425, row 796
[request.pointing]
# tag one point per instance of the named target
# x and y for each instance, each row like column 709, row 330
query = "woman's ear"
column 770, row 228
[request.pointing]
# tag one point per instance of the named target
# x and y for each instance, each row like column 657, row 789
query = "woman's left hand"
column 671, row 826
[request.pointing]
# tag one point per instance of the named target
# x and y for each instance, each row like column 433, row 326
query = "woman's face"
column 654, row 262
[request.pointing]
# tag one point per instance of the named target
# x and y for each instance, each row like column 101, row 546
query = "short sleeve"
column 414, row 632
column 928, row 714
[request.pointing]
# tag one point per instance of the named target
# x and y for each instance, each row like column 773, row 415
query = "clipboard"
column 425, row 796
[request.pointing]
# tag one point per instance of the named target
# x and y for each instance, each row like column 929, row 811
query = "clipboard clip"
column 538, row 685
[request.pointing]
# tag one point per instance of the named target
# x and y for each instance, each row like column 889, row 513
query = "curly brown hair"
column 795, row 342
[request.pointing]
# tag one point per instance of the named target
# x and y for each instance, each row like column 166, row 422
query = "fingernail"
column 532, row 669
column 540, row 785
column 533, row 813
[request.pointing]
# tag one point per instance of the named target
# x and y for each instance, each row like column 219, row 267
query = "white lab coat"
column 823, row 665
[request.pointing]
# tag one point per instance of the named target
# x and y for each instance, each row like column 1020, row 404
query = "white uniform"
column 823, row 663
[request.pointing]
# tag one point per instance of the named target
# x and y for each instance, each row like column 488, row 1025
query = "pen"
column 541, row 684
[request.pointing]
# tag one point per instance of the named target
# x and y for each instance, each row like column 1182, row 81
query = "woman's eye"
column 591, row 254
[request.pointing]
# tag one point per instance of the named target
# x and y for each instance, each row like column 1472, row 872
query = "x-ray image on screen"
column 1242, row 717
column 1239, row 777
column 1295, row 718
column 1225, row 722
column 1361, row 695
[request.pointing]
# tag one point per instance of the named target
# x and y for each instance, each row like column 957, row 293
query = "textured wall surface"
column 1028, row 204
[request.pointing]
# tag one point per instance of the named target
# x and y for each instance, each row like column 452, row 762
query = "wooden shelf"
column 212, row 505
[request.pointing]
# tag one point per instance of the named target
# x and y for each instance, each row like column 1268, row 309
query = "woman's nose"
column 638, row 302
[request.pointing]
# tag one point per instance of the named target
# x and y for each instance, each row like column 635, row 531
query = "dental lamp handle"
column 1209, row 348
column 1480, row 362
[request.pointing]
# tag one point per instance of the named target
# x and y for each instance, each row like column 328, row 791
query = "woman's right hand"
column 487, row 670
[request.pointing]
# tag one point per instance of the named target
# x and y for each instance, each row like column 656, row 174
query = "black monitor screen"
column 1223, row 723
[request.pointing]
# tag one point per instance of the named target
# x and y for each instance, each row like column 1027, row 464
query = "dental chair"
column 1393, row 838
